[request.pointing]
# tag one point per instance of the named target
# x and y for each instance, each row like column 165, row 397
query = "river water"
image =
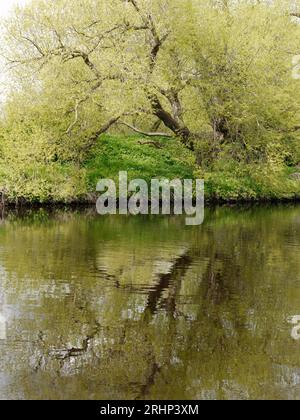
column 122, row 307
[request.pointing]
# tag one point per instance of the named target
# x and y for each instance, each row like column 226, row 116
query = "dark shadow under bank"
column 91, row 201
column 23, row 208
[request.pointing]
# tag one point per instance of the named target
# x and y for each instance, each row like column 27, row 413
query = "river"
column 145, row 307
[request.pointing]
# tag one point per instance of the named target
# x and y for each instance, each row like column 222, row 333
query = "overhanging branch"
column 145, row 133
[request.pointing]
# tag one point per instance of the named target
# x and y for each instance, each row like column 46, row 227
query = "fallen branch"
column 151, row 143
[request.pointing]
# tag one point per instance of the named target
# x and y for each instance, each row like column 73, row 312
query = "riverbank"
column 226, row 181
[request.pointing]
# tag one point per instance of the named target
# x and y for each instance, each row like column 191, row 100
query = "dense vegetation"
column 206, row 86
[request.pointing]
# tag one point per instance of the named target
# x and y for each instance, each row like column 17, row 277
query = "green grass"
column 113, row 154
column 227, row 181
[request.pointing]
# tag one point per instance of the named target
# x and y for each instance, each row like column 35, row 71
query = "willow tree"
column 213, row 72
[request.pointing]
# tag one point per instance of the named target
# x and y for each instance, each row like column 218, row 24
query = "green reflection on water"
column 141, row 307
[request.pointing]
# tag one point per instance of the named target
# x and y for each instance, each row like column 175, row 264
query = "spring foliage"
column 213, row 75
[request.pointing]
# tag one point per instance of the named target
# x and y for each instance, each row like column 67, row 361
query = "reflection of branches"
column 177, row 272
column 155, row 369
column 64, row 354
column 179, row 269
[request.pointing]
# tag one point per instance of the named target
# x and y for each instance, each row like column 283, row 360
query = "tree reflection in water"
column 149, row 308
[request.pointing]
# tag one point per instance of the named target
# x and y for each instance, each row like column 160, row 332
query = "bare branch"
column 104, row 128
column 36, row 46
column 81, row 101
column 156, row 41
column 144, row 133
column 76, row 118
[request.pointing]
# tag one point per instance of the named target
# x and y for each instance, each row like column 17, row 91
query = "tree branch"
column 144, row 133
column 100, row 131
column 104, row 128
column 81, row 101
column 35, row 45
column 149, row 24
column 72, row 125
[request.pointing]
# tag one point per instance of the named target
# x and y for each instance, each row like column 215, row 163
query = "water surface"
column 146, row 308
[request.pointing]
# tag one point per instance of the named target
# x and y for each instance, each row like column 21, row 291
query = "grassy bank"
column 226, row 180
column 169, row 159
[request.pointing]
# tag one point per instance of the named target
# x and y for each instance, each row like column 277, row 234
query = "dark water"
column 141, row 307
